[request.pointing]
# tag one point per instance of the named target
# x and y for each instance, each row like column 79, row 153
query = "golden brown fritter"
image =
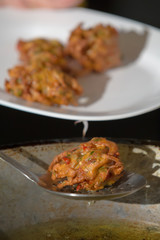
column 48, row 68
column 41, row 52
column 96, row 48
column 47, row 86
column 90, row 166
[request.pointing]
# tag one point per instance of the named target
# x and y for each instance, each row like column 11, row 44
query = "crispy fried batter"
column 48, row 69
column 47, row 86
column 41, row 52
column 90, row 166
column 96, row 48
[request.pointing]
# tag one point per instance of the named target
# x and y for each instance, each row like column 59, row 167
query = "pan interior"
column 87, row 229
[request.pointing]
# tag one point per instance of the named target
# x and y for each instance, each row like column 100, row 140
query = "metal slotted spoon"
column 126, row 185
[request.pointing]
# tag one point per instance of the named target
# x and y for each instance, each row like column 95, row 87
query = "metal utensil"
column 128, row 184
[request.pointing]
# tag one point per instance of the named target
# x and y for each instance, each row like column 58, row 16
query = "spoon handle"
column 23, row 170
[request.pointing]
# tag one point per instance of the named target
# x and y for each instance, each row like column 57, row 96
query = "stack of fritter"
column 45, row 73
column 40, row 77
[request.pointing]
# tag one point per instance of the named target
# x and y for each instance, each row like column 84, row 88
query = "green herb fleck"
column 19, row 92
column 96, row 139
column 18, row 80
column 102, row 169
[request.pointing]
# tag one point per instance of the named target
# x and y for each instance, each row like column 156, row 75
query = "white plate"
column 126, row 91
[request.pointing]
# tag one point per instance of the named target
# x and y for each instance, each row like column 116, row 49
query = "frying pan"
column 23, row 205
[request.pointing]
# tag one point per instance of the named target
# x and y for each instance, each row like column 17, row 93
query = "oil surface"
column 87, row 229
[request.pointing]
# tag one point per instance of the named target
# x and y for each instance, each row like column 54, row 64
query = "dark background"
column 22, row 127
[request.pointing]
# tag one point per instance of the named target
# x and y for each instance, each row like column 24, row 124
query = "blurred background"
column 22, row 127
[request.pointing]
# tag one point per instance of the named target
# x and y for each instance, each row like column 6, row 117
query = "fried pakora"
column 90, row 166
column 41, row 52
column 48, row 69
column 96, row 48
column 47, row 86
